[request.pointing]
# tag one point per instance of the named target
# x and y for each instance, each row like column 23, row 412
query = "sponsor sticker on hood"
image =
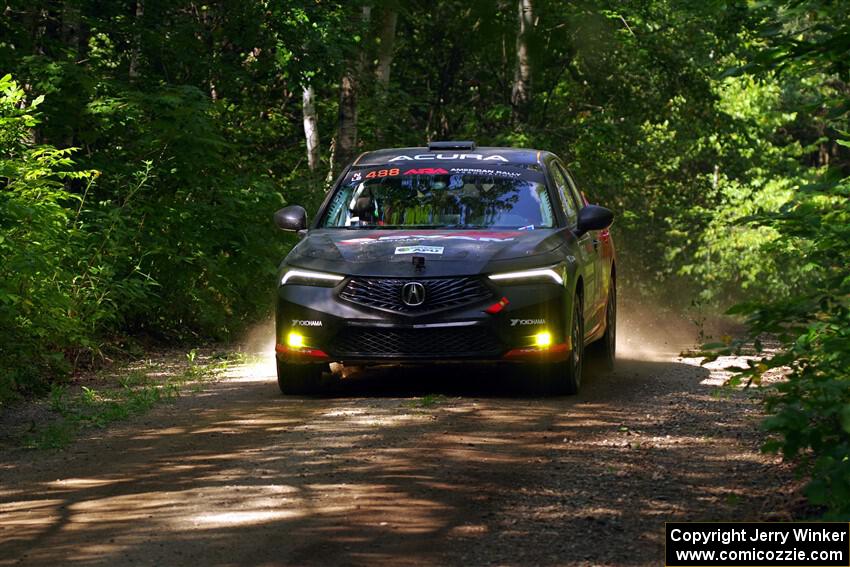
column 419, row 250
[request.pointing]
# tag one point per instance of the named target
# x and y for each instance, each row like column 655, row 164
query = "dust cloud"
column 259, row 339
column 258, row 346
column 652, row 332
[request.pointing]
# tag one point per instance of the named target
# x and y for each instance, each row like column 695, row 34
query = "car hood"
column 446, row 252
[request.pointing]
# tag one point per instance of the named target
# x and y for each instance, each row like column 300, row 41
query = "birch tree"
column 386, row 46
column 311, row 126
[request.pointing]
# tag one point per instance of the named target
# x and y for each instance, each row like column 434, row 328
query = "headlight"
column 309, row 277
column 552, row 274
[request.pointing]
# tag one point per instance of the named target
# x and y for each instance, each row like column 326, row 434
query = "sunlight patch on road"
column 80, row 483
column 346, row 412
column 468, row 439
column 28, row 507
column 255, row 422
column 259, row 368
column 720, row 370
column 243, row 518
column 158, row 433
column 468, row 530
column 480, row 455
column 373, row 418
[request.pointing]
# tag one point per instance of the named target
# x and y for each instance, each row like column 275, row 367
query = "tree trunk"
column 70, row 35
column 521, row 93
column 311, row 127
column 385, row 48
column 386, row 38
column 135, row 52
column 346, row 141
column 329, row 178
column 71, row 27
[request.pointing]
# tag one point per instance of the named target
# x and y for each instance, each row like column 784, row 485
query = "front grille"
column 441, row 293
column 443, row 342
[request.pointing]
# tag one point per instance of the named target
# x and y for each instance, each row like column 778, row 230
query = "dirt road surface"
column 475, row 473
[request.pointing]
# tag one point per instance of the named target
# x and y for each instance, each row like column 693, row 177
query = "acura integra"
column 448, row 253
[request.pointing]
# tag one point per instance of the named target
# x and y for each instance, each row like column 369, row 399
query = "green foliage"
column 734, row 259
column 180, row 121
column 38, row 304
column 806, row 44
column 178, row 246
column 428, row 401
column 811, row 409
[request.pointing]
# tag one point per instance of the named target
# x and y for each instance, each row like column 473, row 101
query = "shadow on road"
column 486, row 474
column 482, row 380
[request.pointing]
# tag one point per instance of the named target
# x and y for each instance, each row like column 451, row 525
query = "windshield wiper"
column 375, row 227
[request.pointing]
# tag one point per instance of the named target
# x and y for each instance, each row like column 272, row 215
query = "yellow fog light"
column 295, row 340
column 543, row 339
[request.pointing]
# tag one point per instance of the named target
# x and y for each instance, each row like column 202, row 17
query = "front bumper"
column 499, row 328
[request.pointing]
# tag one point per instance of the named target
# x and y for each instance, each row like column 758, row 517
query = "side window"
column 577, row 195
column 565, row 192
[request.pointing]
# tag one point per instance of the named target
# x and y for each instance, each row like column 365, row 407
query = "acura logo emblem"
column 413, row 294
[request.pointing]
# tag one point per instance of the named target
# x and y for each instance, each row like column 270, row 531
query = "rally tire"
column 565, row 377
column 605, row 348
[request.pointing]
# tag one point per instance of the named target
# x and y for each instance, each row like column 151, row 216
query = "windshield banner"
column 503, row 172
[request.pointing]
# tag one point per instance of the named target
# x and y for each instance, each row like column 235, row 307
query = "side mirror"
column 292, row 218
column 593, row 217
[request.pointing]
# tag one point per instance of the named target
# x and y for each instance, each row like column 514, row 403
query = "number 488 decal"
column 382, row 173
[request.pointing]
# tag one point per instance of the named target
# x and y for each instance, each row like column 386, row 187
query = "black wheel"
column 605, row 348
column 300, row 378
column 565, row 377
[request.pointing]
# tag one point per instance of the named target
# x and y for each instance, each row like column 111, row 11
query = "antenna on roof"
column 452, row 145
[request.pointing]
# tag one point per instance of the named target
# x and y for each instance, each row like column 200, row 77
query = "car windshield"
column 441, row 197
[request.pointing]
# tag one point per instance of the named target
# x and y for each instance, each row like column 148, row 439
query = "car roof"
column 488, row 155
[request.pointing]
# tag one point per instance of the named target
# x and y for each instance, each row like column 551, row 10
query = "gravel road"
column 473, row 473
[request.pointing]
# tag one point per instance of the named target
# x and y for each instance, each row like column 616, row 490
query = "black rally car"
column 449, row 253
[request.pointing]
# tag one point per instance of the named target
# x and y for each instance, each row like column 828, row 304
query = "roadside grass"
column 428, row 400
column 136, row 391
